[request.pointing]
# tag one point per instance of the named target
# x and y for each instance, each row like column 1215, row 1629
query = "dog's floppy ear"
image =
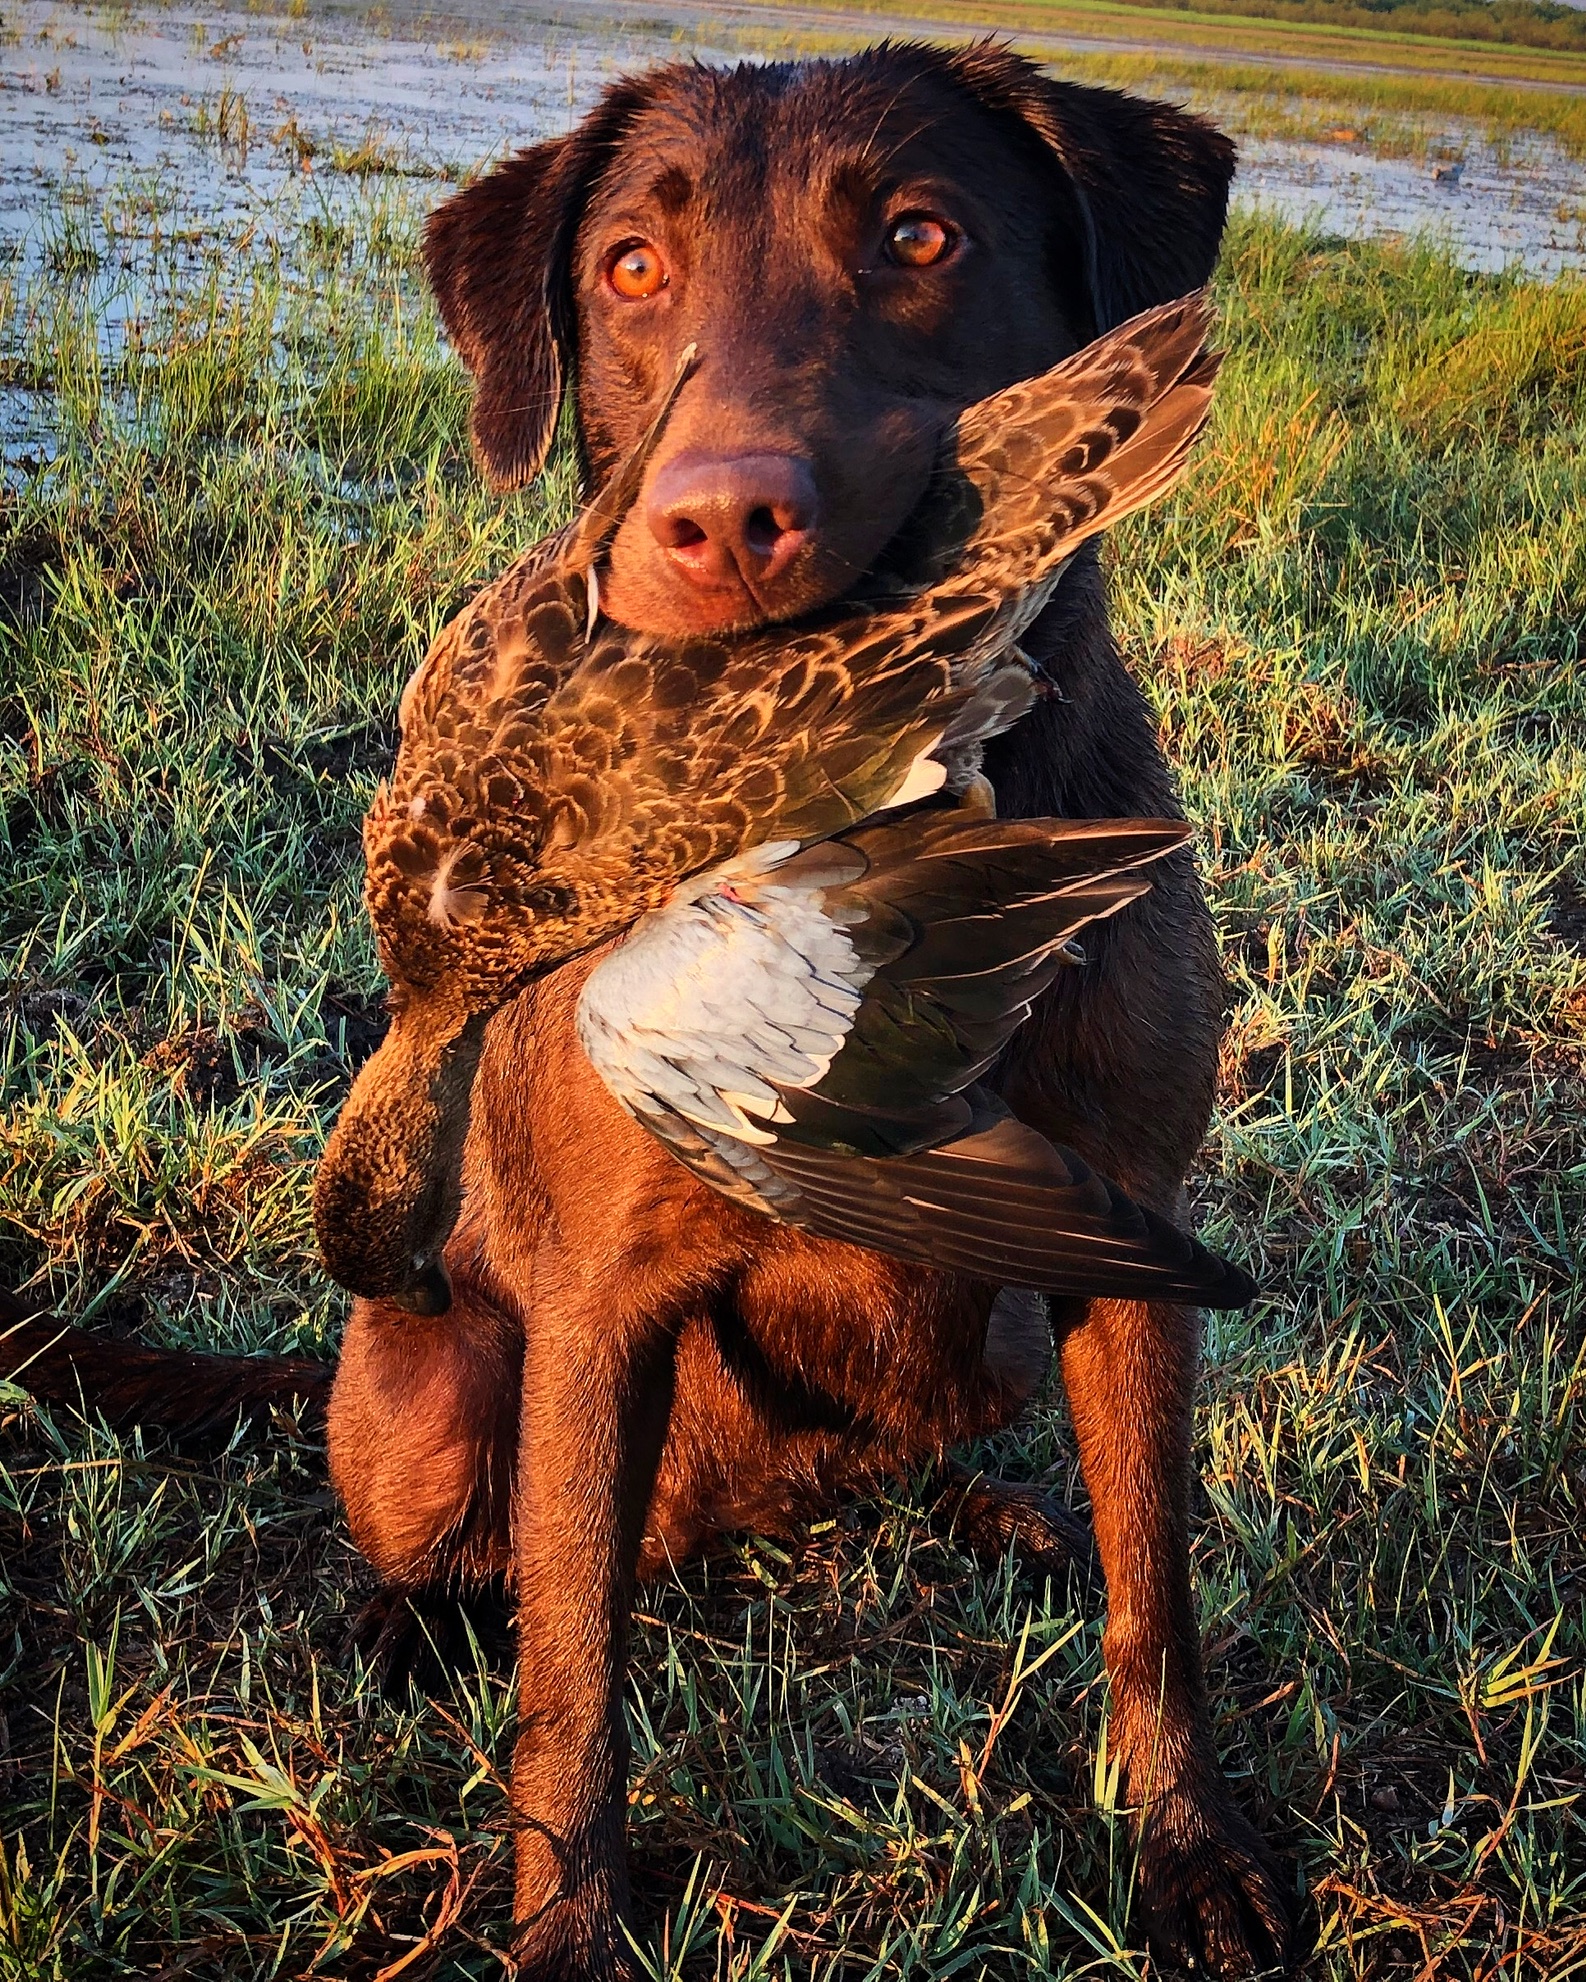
column 498, row 258
column 1146, row 184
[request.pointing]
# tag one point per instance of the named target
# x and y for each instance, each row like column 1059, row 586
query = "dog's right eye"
column 920, row 240
column 638, row 271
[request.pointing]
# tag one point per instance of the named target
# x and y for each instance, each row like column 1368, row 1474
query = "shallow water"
column 1525, row 208
column 230, row 107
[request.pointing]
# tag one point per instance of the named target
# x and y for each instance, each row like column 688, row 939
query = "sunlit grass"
column 1362, row 628
column 1232, row 29
column 1266, row 78
column 1390, row 113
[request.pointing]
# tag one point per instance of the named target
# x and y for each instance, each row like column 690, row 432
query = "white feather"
column 925, row 776
column 741, row 984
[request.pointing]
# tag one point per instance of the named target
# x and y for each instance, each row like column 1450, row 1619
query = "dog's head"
column 858, row 249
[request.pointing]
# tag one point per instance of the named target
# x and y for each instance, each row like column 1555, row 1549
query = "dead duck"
column 811, row 989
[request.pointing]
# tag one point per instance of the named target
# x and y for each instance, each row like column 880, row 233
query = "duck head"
column 389, row 1186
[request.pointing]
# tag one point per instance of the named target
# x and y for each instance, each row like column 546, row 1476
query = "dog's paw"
column 1214, row 1902
column 993, row 1516
column 420, row 1638
column 577, row 1939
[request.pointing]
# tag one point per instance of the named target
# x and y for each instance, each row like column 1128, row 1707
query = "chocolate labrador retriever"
column 858, row 248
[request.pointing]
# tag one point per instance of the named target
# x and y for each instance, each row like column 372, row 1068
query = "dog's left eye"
column 919, row 240
column 638, row 271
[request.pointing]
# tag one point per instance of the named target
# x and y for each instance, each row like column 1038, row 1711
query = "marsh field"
column 236, row 500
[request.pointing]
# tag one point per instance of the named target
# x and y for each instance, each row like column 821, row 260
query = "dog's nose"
column 726, row 518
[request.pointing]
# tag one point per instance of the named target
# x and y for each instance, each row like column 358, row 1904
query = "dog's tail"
column 128, row 1383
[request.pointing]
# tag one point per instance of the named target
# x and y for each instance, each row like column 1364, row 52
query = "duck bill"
column 389, row 1185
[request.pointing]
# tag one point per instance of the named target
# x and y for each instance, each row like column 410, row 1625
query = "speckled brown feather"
column 559, row 775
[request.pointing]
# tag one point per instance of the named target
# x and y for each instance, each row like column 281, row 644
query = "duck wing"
column 1002, row 1203
column 1030, row 473
column 807, row 1031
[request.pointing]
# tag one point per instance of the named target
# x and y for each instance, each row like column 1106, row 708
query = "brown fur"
column 630, row 1363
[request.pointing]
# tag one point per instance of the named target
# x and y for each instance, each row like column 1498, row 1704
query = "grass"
column 1517, row 22
column 1386, row 113
column 1362, row 628
column 1245, row 29
column 1264, row 77
column 1239, row 29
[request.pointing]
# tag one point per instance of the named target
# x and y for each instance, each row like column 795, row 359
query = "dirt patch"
column 356, row 753
column 23, row 587
column 354, row 1025
column 215, row 1065
column 1566, row 922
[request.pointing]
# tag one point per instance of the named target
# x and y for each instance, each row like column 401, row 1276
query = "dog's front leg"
column 1208, row 1881
column 597, row 1392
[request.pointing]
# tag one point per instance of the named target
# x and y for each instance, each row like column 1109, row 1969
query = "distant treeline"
column 1529, row 23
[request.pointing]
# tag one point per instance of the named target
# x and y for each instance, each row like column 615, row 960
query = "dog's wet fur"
column 632, row 1365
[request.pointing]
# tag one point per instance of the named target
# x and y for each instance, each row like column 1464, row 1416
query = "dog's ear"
column 1145, row 184
column 498, row 256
